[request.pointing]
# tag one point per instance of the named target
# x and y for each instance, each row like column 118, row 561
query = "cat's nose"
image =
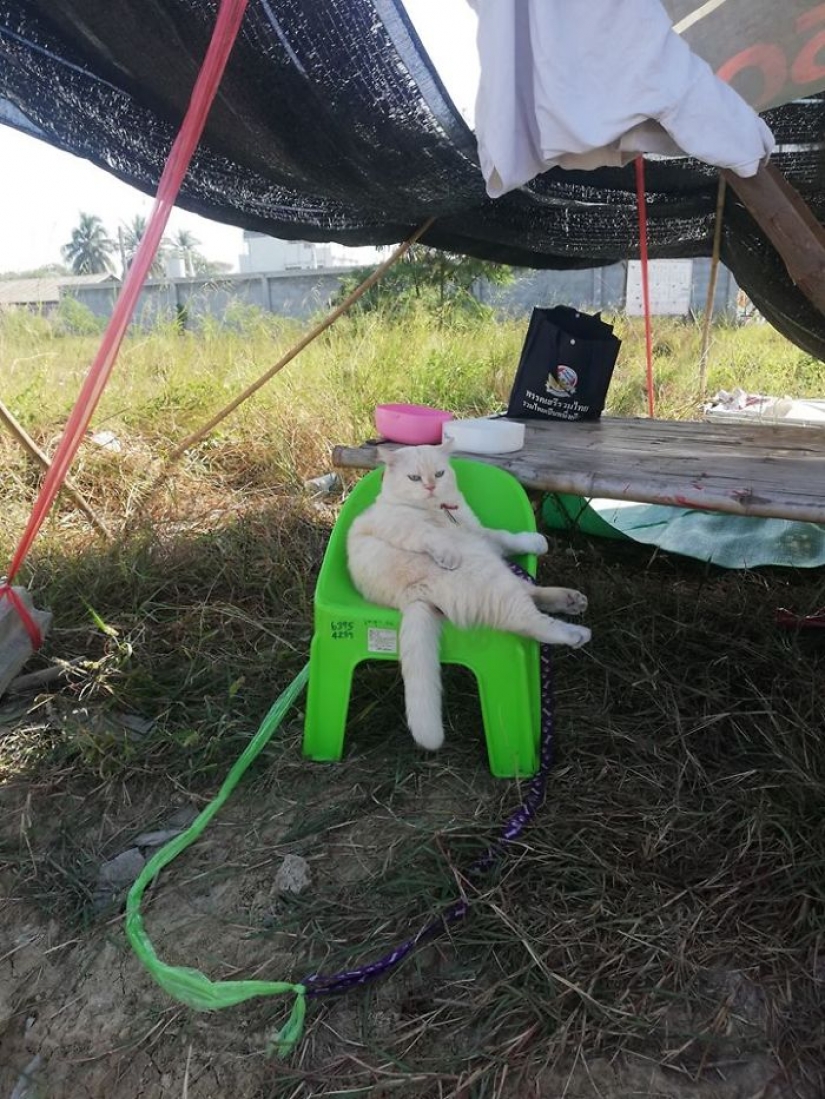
column 429, row 487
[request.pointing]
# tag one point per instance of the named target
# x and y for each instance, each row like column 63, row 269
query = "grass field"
column 659, row 933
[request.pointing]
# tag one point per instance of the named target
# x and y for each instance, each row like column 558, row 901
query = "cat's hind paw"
column 577, row 636
column 576, row 602
column 535, row 543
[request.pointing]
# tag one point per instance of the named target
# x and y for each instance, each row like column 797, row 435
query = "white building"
column 43, row 294
column 269, row 254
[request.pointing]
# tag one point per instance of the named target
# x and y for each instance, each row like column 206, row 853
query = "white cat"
column 421, row 549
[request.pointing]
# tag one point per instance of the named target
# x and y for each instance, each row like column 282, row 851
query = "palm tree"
column 89, row 249
column 187, row 244
column 130, row 236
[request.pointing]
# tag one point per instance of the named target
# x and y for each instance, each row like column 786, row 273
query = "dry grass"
column 667, row 911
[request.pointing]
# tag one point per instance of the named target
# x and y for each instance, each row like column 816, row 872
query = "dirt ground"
column 658, row 934
column 79, row 1017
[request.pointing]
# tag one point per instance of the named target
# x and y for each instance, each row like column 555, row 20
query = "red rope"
column 223, row 37
column 642, row 208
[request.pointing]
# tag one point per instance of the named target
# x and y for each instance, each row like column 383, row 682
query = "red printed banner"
column 771, row 51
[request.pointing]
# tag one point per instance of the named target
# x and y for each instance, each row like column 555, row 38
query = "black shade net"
column 332, row 124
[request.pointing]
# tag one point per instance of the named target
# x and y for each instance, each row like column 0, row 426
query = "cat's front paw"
column 535, row 543
column 448, row 559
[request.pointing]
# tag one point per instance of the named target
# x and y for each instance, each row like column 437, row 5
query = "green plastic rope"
column 190, row 986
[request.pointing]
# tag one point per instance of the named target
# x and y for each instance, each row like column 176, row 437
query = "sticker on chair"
column 382, row 641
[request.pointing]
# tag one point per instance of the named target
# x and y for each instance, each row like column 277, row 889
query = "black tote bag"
column 565, row 367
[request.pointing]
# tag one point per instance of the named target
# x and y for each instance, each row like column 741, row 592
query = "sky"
column 43, row 190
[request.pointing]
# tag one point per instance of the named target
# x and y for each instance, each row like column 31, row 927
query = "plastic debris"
column 15, row 642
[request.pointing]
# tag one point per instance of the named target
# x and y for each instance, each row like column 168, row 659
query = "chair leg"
column 508, row 689
column 328, row 692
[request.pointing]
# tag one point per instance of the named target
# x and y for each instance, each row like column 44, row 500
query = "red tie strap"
column 29, row 624
column 642, row 212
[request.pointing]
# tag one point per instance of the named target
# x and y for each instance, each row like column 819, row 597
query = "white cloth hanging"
column 585, row 83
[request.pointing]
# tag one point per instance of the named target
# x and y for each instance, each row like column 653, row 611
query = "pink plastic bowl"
column 413, row 424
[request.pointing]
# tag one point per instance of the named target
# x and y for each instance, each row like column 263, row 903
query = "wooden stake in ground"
column 349, row 301
column 34, row 451
column 714, row 271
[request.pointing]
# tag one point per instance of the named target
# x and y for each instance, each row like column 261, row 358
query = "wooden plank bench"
column 772, row 471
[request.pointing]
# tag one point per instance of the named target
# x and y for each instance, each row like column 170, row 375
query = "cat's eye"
column 439, row 473
column 414, row 476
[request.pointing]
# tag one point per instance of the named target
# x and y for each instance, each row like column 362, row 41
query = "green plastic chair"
column 349, row 630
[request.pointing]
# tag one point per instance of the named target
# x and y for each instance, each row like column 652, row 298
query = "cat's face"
column 418, row 475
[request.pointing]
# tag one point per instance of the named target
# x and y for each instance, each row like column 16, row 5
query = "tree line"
column 92, row 251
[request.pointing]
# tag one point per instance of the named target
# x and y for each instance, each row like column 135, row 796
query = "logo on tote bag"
column 565, row 384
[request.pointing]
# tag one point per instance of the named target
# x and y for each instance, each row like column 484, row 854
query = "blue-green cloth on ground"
column 731, row 541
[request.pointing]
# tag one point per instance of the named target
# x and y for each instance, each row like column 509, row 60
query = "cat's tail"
column 421, row 669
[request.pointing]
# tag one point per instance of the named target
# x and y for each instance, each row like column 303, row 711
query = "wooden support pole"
column 790, row 226
column 714, row 272
column 34, row 451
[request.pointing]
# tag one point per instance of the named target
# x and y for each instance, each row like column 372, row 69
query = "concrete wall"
column 302, row 294
column 188, row 300
column 594, row 289
column 100, row 299
column 724, row 299
column 599, row 289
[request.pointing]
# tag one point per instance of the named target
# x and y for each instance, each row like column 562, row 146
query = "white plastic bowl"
column 483, row 436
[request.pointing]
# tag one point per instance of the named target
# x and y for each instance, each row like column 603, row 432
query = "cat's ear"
column 448, row 446
column 385, row 455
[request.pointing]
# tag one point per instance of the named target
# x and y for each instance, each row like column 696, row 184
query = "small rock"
column 122, row 869
column 172, row 826
column 293, row 875
column 111, row 723
column 156, row 839
column 116, row 875
column 140, row 726
column 182, row 817
column 325, row 485
column 107, row 440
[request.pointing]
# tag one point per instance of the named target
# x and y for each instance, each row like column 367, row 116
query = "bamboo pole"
column 34, row 451
column 714, row 271
column 322, row 326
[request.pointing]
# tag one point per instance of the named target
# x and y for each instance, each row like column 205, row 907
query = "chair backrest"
column 495, row 496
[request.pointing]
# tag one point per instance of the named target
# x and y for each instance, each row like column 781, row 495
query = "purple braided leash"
column 319, row 984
